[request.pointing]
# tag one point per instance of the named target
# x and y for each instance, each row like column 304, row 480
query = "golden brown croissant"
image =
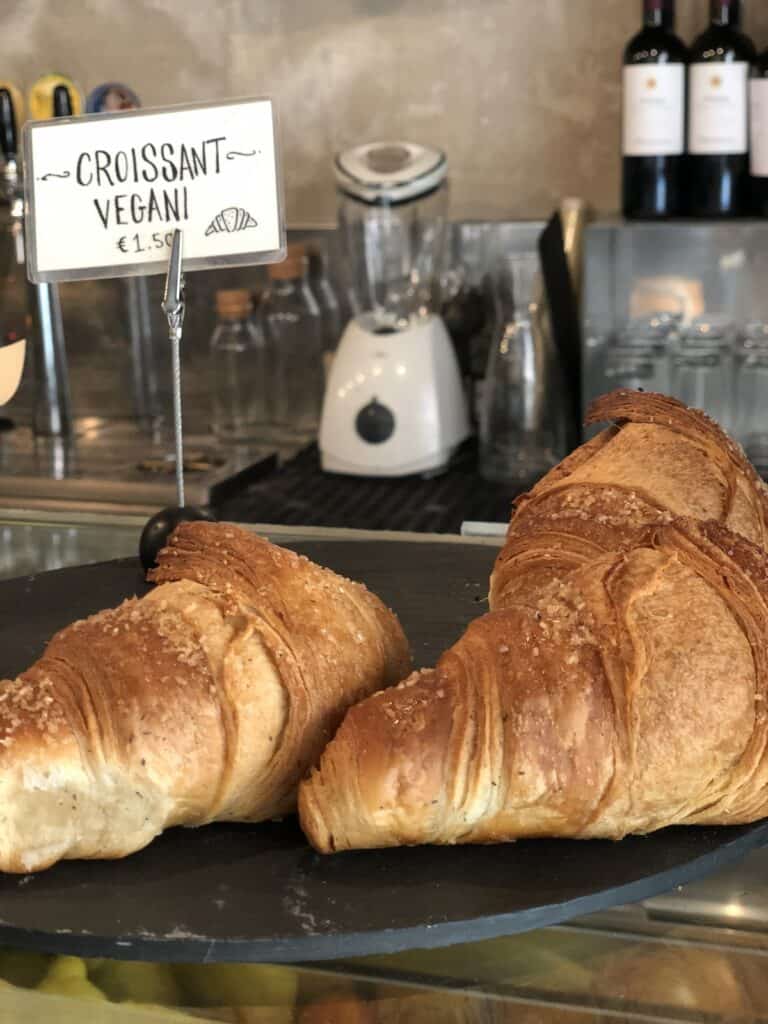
column 204, row 701
column 660, row 459
column 624, row 696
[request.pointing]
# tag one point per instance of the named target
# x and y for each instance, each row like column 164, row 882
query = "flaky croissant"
column 659, row 459
column 206, row 700
column 621, row 697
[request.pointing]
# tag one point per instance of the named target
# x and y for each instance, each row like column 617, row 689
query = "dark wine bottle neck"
column 659, row 14
column 726, row 12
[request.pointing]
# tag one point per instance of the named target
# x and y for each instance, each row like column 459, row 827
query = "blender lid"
column 390, row 172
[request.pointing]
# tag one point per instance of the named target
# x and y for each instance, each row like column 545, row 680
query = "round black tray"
column 259, row 893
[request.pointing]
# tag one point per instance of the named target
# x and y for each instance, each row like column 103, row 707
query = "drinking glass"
column 702, row 366
column 750, row 393
column 295, row 338
column 639, row 356
column 523, row 415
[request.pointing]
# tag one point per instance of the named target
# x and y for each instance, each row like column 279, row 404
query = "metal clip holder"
column 173, row 307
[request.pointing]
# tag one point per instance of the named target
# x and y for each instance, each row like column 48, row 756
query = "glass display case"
column 699, row 953
column 672, row 307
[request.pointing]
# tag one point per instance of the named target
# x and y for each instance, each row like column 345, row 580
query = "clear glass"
column 294, row 330
column 464, row 304
column 639, row 356
column 393, row 254
column 750, row 393
column 327, row 300
column 702, row 367
column 523, row 415
column 239, row 380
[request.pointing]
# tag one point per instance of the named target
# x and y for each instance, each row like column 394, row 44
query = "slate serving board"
column 258, row 893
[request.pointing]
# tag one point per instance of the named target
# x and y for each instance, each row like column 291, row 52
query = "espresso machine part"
column 109, row 98
column 54, row 95
column 394, row 402
column 52, row 414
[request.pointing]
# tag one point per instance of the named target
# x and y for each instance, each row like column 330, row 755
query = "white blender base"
column 424, row 465
column 404, row 391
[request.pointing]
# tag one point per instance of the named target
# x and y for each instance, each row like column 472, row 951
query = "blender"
column 394, row 403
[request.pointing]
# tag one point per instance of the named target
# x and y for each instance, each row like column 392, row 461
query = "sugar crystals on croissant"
column 206, row 700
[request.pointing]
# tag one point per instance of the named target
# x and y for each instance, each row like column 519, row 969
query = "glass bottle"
column 654, row 116
column 523, row 417
column 702, row 366
column 294, row 329
column 239, row 369
column 758, row 133
column 717, row 171
column 750, row 393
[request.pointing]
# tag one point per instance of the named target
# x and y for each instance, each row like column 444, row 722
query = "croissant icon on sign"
column 233, row 218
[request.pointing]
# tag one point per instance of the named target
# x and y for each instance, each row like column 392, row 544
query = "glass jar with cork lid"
column 240, row 370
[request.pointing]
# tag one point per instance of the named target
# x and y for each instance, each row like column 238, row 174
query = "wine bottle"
column 718, row 128
column 654, row 116
column 759, row 135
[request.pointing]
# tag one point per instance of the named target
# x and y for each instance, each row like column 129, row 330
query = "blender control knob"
column 375, row 423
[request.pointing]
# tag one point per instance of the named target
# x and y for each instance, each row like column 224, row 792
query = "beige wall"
column 524, row 94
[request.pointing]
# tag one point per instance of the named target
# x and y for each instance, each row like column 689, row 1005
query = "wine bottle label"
column 759, row 126
column 654, row 110
column 718, row 122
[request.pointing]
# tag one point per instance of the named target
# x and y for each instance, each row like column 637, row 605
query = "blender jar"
column 392, row 215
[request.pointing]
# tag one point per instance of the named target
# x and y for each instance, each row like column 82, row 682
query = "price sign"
column 105, row 192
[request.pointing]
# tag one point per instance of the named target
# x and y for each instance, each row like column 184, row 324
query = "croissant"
column 660, row 459
column 206, row 700
column 623, row 697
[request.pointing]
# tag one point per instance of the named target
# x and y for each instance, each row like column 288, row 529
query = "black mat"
column 258, row 892
column 299, row 493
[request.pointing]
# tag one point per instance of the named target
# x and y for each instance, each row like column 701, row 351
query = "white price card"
column 105, row 193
